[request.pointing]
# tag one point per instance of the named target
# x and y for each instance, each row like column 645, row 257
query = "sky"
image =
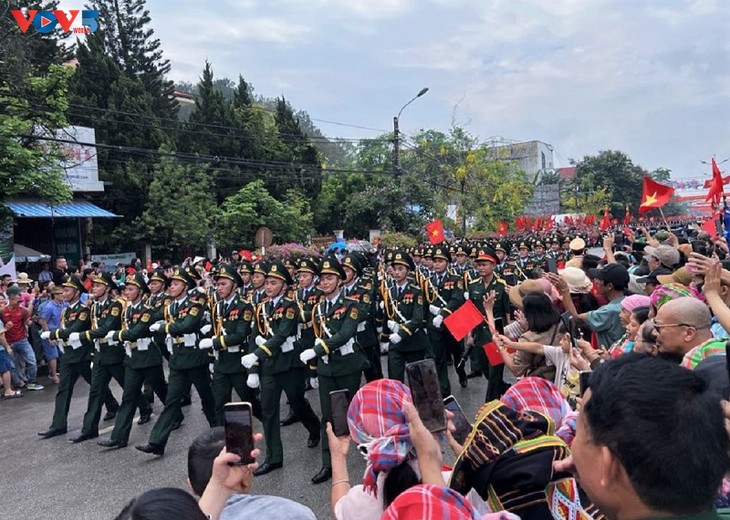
column 649, row 78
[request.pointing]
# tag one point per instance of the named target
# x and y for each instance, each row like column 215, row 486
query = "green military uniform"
column 106, row 316
column 340, row 360
column 524, row 265
column 477, row 291
column 363, row 292
column 188, row 363
column 232, row 320
column 444, row 293
column 403, row 306
column 279, row 367
column 306, row 299
column 143, row 362
column 75, row 361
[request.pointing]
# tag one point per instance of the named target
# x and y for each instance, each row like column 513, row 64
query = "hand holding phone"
column 459, row 420
column 339, row 404
column 239, row 431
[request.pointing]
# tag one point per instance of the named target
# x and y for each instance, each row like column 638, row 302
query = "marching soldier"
column 257, row 293
column 539, row 259
column 403, row 306
column 523, row 263
column 245, row 270
column 479, row 289
column 188, row 362
column 444, row 293
column 357, row 288
column 279, row 367
column 340, row 361
column 231, row 318
column 143, row 362
column 76, row 359
column 106, row 316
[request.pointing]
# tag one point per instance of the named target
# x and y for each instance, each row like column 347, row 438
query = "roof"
column 75, row 209
column 567, row 173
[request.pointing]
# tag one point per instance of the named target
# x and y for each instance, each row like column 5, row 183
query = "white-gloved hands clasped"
column 206, row 343
column 395, row 339
column 74, row 336
column 434, row 310
column 156, row 326
column 393, row 326
column 260, row 340
column 307, row 355
column 249, row 360
column 110, row 338
column 384, row 347
column 252, row 381
column 46, row 334
column 205, row 329
column 437, row 321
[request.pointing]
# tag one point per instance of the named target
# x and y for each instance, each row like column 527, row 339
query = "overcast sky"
column 649, row 78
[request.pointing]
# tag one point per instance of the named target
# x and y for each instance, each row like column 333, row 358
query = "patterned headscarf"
column 672, row 291
column 630, row 303
column 380, row 428
column 537, row 395
column 429, row 502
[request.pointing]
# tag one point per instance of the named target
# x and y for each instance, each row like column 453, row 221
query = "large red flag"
column 435, row 232
column 606, row 222
column 709, row 226
column 654, row 195
column 463, row 320
column 716, row 185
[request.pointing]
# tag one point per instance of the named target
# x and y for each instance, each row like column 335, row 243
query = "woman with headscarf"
column 629, row 307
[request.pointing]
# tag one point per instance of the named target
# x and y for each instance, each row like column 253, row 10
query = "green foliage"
column 253, row 206
column 394, row 239
column 614, row 172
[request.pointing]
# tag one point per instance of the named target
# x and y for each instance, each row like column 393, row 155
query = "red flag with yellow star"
column 654, row 195
column 435, row 232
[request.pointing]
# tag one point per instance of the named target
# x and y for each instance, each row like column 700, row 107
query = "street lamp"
column 396, row 133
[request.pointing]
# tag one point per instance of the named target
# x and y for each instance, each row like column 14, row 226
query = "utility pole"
column 396, row 148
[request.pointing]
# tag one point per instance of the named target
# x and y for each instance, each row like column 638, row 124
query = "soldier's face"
column 98, row 290
column 305, row 279
column 273, row 287
column 329, row 283
column 246, row 277
column 539, row 250
column 428, row 262
column 460, row 258
column 131, row 292
column 485, row 268
column 155, row 286
column 555, row 246
column 177, row 288
column 257, row 279
column 224, row 287
column 349, row 274
column 440, row 265
column 400, row 273
column 523, row 252
column 68, row 293
column 500, row 255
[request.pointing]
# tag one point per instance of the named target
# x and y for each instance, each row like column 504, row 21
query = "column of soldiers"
column 268, row 327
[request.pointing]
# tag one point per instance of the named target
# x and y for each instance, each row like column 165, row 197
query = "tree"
column 253, row 206
column 179, row 213
column 616, row 173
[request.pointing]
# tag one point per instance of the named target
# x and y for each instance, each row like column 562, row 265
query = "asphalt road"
column 53, row 478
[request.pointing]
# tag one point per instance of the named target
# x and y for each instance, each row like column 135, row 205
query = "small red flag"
column 549, row 223
column 716, row 185
column 627, row 217
column 502, row 228
column 654, row 195
column 709, row 227
column 568, row 221
column 435, row 232
column 606, row 222
column 537, row 224
column 493, row 355
column 463, row 320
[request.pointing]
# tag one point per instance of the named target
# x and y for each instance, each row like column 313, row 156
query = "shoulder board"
column 501, row 280
column 350, row 299
column 287, row 299
column 477, row 280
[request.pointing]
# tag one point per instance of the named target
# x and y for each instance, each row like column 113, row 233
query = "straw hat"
column 24, row 279
column 578, row 281
column 516, row 294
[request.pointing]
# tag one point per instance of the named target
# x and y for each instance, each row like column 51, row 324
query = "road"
column 52, row 478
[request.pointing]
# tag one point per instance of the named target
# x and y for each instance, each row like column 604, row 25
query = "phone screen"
column 510, row 279
column 584, row 377
column 424, row 384
column 569, row 325
column 499, row 326
column 239, row 431
column 461, row 423
column 552, row 265
column 339, row 403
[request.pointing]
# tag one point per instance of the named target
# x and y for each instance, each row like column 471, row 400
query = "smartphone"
column 239, row 431
column 552, row 265
column 718, row 227
column 699, row 246
column 510, row 279
column 569, row 325
column 424, row 384
column 463, row 427
column 584, row 377
column 499, row 326
column 339, row 403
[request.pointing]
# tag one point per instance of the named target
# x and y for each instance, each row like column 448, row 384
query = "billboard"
column 82, row 169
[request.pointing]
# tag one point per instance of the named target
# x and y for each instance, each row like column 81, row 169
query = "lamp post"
column 396, row 133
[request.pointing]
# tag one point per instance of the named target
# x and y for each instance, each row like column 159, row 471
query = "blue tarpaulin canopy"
column 75, row 209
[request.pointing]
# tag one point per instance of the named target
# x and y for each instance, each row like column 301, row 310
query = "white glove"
column 393, row 326
column 260, row 340
column 434, row 310
column 437, row 321
column 395, row 338
column 466, row 295
column 379, row 330
column 206, row 343
column 156, row 326
column 384, row 347
column 252, row 381
column 46, row 334
column 75, row 337
column 314, row 382
column 319, row 342
column 205, row 329
column 110, row 338
column 249, row 360
column 382, row 305
column 307, row 355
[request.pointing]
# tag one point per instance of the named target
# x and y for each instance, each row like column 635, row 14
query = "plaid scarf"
column 711, row 347
column 379, row 426
column 672, row 291
column 429, row 502
column 536, row 394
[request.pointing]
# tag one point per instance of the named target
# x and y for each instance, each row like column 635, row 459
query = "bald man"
column 680, row 326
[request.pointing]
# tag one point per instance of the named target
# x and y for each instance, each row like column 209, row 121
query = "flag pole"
column 661, row 211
